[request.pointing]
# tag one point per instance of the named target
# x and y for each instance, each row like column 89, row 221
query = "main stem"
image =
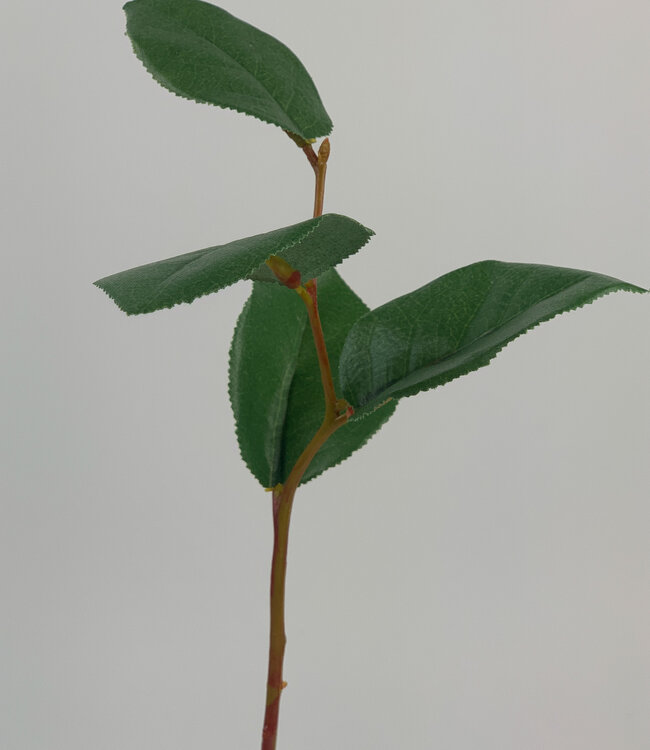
column 282, row 503
column 337, row 413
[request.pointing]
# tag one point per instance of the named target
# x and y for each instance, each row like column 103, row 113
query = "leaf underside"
column 275, row 386
column 456, row 324
column 311, row 247
column 203, row 53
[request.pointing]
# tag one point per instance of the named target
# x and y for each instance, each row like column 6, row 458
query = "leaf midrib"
column 391, row 386
column 214, row 250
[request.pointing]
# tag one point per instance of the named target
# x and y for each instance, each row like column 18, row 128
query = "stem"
column 337, row 413
column 311, row 156
column 318, row 162
column 309, row 297
column 282, row 503
column 321, row 171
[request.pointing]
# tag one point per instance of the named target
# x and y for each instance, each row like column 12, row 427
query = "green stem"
column 337, row 413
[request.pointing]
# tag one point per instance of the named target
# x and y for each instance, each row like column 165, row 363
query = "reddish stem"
column 337, row 413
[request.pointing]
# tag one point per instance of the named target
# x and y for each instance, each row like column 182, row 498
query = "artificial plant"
column 313, row 372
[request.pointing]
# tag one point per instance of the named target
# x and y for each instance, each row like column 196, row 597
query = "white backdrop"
column 476, row 577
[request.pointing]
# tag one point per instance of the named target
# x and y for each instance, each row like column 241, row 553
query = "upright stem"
column 318, row 162
column 282, row 504
column 337, row 413
column 321, row 171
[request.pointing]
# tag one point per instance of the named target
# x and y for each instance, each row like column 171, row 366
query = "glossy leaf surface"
column 456, row 324
column 311, row 247
column 201, row 52
column 275, row 386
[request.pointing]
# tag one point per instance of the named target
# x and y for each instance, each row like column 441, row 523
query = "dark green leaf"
column 275, row 386
column 200, row 52
column 456, row 324
column 311, row 247
column 263, row 358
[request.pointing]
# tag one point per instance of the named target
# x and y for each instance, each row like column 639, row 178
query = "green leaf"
column 456, row 324
column 263, row 357
column 200, row 52
column 311, row 247
column 275, row 386
column 339, row 307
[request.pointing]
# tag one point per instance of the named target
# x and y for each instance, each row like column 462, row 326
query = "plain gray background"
column 478, row 576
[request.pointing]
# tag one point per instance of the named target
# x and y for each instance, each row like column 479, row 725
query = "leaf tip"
column 104, row 288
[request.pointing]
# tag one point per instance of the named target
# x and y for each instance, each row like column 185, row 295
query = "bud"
column 284, row 273
column 324, row 152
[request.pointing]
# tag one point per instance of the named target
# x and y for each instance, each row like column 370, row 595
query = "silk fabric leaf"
column 456, row 324
column 201, row 52
column 275, row 386
column 312, row 247
column 339, row 307
column 263, row 357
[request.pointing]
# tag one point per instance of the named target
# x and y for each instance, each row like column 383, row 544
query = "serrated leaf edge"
column 370, row 406
column 307, row 478
column 139, row 53
column 283, row 403
column 246, row 275
column 231, row 395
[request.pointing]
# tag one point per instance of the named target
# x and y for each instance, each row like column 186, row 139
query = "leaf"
column 275, row 386
column 263, row 357
column 311, row 247
column 455, row 325
column 201, row 52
